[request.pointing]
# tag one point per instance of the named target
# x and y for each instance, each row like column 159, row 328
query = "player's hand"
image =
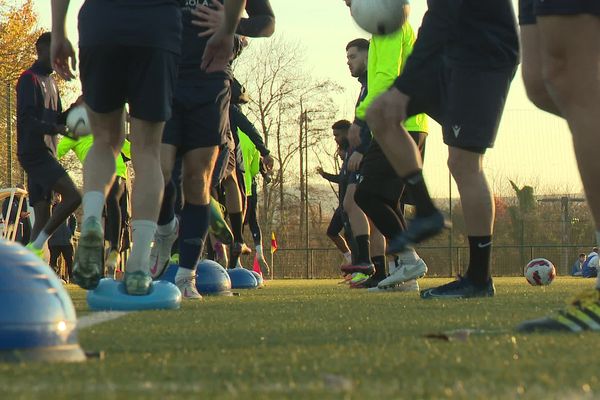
column 320, row 171
column 209, row 18
column 354, row 161
column 354, row 136
column 62, row 57
column 389, row 109
column 269, row 162
column 218, row 51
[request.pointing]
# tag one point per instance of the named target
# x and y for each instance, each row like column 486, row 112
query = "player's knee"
column 196, row 185
column 536, row 89
column 556, row 75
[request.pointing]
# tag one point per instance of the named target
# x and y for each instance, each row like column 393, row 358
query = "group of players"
column 172, row 63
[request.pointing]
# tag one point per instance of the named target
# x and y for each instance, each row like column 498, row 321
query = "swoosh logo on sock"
column 484, row 245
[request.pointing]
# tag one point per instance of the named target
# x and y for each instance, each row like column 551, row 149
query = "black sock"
column 363, row 244
column 192, row 234
column 379, row 262
column 480, row 267
column 167, row 208
column 236, row 226
column 416, row 185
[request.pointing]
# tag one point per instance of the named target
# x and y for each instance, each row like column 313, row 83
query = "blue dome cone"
column 259, row 279
column 169, row 274
column 110, row 295
column 212, row 279
column 37, row 320
column 241, row 278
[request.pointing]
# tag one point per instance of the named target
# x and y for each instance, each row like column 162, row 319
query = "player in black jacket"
column 39, row 121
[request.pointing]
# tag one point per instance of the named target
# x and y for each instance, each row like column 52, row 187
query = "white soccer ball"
column 540, row 272
column 379, row 17
column 78, row 122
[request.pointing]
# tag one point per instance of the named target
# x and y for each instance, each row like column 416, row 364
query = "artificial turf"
column 319, row 340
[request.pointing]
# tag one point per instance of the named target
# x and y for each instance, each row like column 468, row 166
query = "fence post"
column 8, row 137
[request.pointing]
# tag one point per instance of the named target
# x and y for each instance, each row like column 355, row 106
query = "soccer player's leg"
column 474, row 108
column 378, row 195
column 253, row 224
column 360, row 228
column 113, row 225
column 51, row 177
column 334, row 230
column 385, row 117
column 104, row 91
column 204, row 126
column 571, row 72
column 151, row 77
column 531, row 56
column 233, row 202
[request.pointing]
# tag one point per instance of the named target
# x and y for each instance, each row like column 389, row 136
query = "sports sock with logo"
column 480, row 267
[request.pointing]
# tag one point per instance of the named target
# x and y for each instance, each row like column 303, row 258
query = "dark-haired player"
column 459, row 73
column 39, row 121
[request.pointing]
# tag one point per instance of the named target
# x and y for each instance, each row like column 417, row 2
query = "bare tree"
column 294, row 112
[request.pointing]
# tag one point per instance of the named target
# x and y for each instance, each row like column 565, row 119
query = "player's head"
column 42, row 48
column 595, row 249
column 582, row 256
column 348, row 2
column 340, row 132
column 357, row 52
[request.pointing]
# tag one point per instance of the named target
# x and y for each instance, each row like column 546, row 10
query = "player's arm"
column 62, row 55
column 436, row 29
column 219, row 48
column 27, row 100
column 244, row 124
column 260, row 21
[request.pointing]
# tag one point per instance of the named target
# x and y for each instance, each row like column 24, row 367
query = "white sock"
column 93, row 204
column 348, row 256
column 167, row 228
column 40, row 240
column 409, row 255
column 183, row 273
column 259, row 251
column 598, row 243
column 142, row 232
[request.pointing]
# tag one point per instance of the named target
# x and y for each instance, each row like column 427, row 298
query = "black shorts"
column 144, row 77
column 530, row 9
column 337, row 222
column 378, row 175
column 468, row 103
column 225, row 165
column 200, row 116
column 41, row 178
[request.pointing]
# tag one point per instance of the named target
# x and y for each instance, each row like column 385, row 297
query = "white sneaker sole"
column 403, row 287
column 406, row 273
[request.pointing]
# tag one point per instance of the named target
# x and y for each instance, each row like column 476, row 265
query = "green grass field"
column 318, row 340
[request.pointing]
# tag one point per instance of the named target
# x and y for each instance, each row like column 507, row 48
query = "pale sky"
column 532, row 147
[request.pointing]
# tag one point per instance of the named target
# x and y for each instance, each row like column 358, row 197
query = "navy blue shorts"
column 467, row 102
column 143, row 77
column 200, row 116
column 41, row 178
column 530, row 9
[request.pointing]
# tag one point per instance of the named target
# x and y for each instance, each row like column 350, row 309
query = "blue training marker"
column 37, row 319
column 241, row 278
column 110, row 295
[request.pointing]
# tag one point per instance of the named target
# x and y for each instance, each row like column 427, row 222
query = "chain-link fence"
column 507, row 260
